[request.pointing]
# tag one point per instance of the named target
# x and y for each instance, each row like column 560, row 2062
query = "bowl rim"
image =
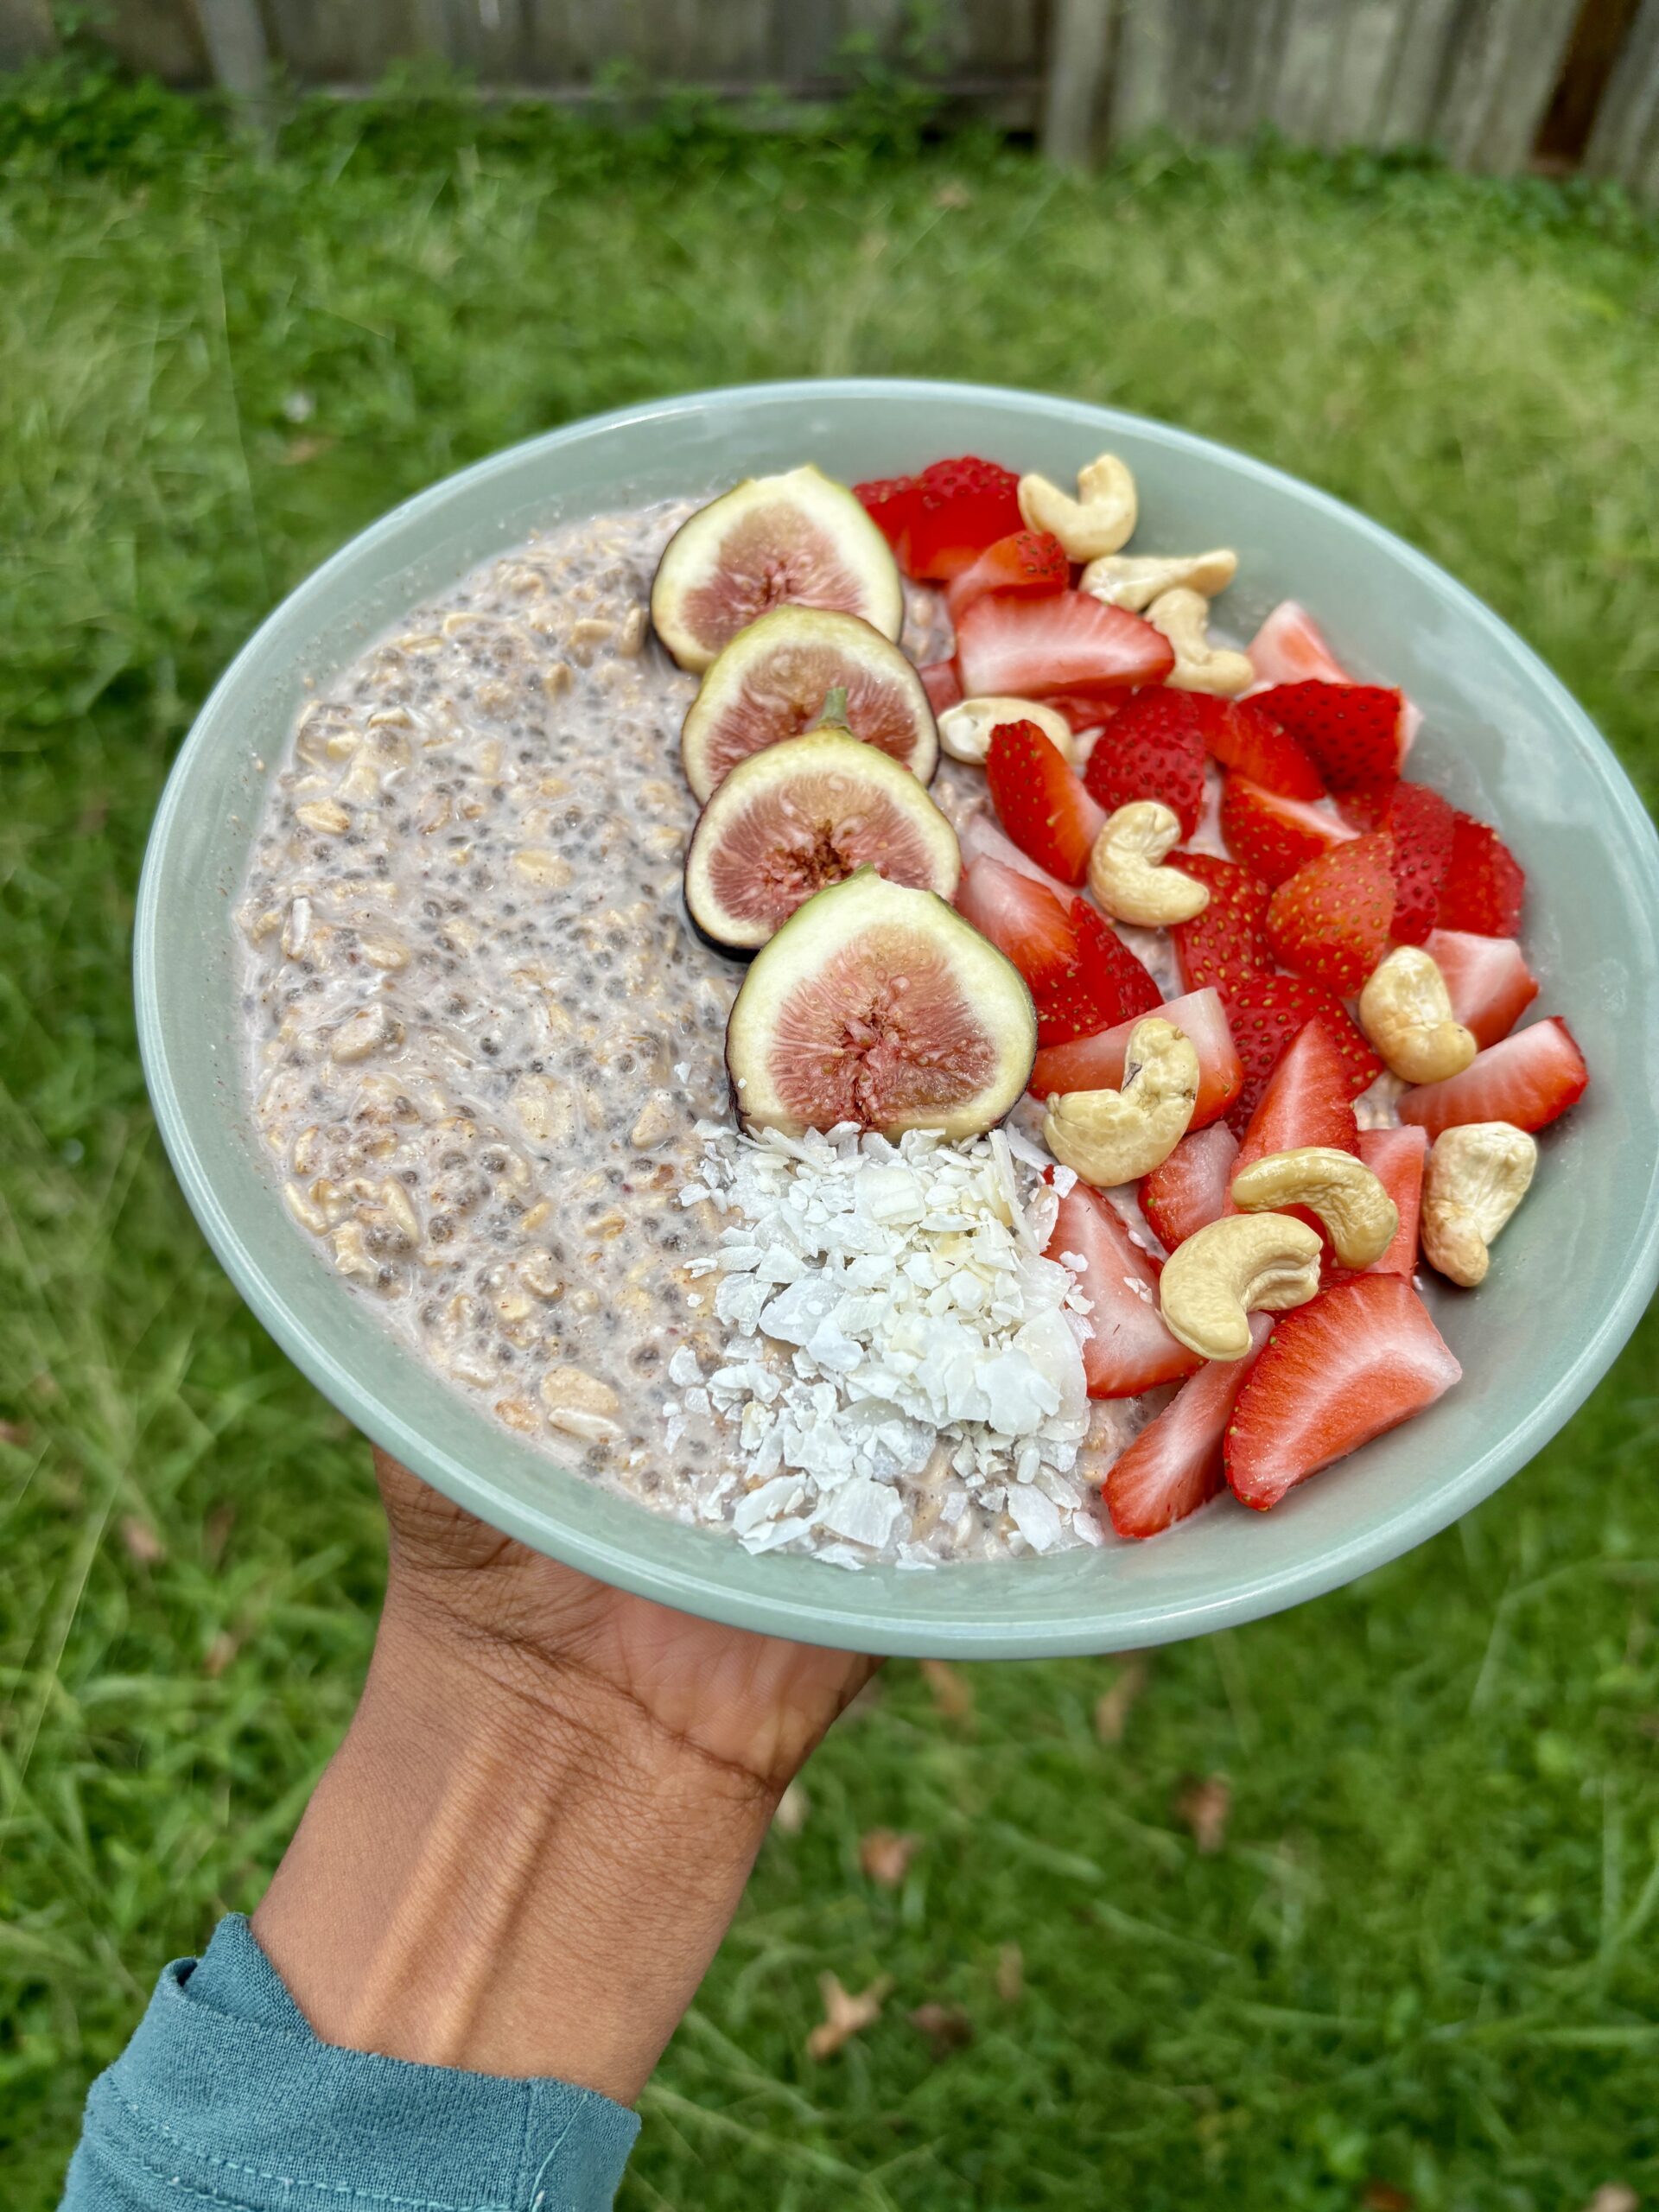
column 842, row 1620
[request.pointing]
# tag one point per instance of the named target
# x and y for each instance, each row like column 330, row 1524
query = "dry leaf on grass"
column 793, row 1806
column 1614, row 2196
column 1113, row 1707
column 141, row 1541
column 14, row 1431
column 947, row 2028
column 1010, row 1973
column 950, row 1691
column 1384, row 2196
column 216, row 1533
column 885, row 1855
column 220, row 1652
column 1204, row 1807
column 844, row 2014
column 953, row 194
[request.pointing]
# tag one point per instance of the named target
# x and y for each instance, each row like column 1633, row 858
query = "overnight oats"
column 855, row 1020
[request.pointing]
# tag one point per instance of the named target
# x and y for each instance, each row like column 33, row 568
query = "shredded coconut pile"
column 934, row 1357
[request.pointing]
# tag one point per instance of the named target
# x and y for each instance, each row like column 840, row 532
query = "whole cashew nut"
column 1244, row 1264
column 1405, row 1011
column 1126, row 871
column 1477, row 1176
column 1361, row 1216
column 1135, row 579
column 965, row 729
column 1100, row 520
column 1114, row 1136
column 1184, row 618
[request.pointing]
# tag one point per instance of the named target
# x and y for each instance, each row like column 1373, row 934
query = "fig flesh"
column 771, row 682
column 880, row 1005
column 797, row 539
column 791, row 819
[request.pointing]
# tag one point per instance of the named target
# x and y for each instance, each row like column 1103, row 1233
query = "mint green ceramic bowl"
column 1501, row 736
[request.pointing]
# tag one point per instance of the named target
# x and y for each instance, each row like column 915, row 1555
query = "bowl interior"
column 1500, row 736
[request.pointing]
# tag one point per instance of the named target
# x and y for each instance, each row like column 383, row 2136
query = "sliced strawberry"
column 1095, row 1062
column 1029, row 648
column 1086, row 709
column 980, row 834
column 1490, row 984
column 1175, row 1465
column 1308, row 1100
column 1152, row 749
column 1107, row 986
column 1272, row 836
column 1190, row 1189
column 1028, row 562
column 1043, row 806
column 1290, row 647
column 1330, row 921
column 1421, row 824
column 1130, row 1350
column 942, row 684
column 1485, row 883
column 1396, row 1158
column 1243, row 736
column 1354, row 731
column 1359, row 1358
column 956, row 509
column 1529, row 1079
column 891, row 503
column 1227, row 944
column 1268, row 1014
column 1021, row 919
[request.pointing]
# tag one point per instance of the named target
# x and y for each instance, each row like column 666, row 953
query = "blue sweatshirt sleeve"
column 225, row 2098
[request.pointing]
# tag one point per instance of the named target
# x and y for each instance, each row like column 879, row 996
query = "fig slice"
column 877, row 1004
column 771, row 680
column 791, row 819
column 797, row 540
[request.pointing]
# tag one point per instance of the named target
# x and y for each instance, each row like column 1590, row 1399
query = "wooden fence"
column 1496, row 84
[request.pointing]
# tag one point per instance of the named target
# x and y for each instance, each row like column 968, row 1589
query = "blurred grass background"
column 1358, row 1907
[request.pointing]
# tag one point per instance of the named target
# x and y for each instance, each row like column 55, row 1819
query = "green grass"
column 1424, row 1959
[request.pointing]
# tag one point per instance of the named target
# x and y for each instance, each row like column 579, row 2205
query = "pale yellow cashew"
column 1114, row 1136
column 1477, row 1176
column 1405, row 1011
column 1349, row 1199
column 1126, row 871
column 1245, row 1264
column 1184, row 618
column 1135, row 579
column 965, row 729
column 1100, row 520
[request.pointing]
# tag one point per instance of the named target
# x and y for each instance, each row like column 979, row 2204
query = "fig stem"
column 833, row 710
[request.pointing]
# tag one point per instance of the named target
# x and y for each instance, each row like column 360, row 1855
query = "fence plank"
column 1143, row 80
column 1421, row 59
column 1500, row 81
column 1624, row 142
column 235, row 45
column 1370, row 53
column 1310, row 57
column 1076, row 79
column 25, row 30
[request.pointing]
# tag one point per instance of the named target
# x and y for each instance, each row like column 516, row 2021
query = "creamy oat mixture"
column 480, row 1031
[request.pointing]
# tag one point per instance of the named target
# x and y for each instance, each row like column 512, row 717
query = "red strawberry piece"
column 979, row 834
column 1421, row 823
column 1043, row 806
column 1489, row 981
column 1268, row 1014
column 1273, row 835
column 1190, row 1188
column 1484, row 882
column 1290, row 646
column 942, row 684
column 1358, row 1359
column 1021, row 919
column 1108, row 985
column 1176, row 1463
column 1396, row 1158
column 1353, row 731
column 1068, row 641
column 1227, row 944
column 1529, row 1079
column 1151, row 749
column 1086, row 709
column 1330, row 920
column 1243, row 736
column 956, row 510
column 891, row 504
column 1308, row 1100
column 1028, row 562
column 1130, row 1350
column 1096, row 1061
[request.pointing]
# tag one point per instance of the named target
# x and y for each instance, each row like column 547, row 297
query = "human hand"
column 526, row 1852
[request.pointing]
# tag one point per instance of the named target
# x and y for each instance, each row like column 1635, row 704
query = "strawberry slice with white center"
column 1021, row 919
column 1040, row 802
column 1273, row 835
column 1096, row 1061
column 1308, row 1100
column 1175, row 1465
column 1028, row 648
column 1358, row 1359
column 1031, row 563
column 1488, row 977
column 942, row 684
column 1530, row 1079
column 1130, row 1350
column 1397, row 1157
column 1189, row 1189
column 1290, row 647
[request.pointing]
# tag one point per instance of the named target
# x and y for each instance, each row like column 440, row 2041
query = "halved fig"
column 772, row 680
column 880, row 1005
column 797, row 540
column 795, row 817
